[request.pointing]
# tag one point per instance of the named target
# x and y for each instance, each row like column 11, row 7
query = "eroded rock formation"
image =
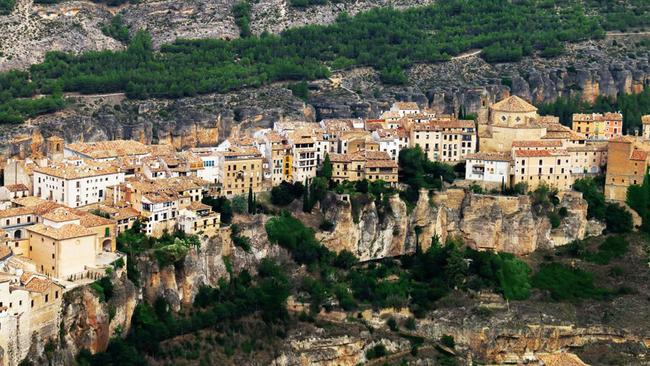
column 485, row 222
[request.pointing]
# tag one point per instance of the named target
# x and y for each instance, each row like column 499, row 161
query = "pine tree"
column 251, row 203
column 305, row 199
column 326, row 171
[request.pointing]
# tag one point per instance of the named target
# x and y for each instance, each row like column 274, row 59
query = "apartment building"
column 198, row 219
column 370, row 165
column 240, row 170
column 536, row 167
column 75, row 185
column 391, row 141
column 304, row 156
column 597, row 126
column 279, row 158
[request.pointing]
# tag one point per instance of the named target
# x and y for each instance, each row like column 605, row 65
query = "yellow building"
column 597, row 126
column 627, row 162
column 279, row 158
column 537, row 167
column 198, row 219
column 240, row 170
column 370, row 165
column 62, row 250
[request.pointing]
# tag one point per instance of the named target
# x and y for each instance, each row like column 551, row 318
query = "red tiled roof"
column 639, row 155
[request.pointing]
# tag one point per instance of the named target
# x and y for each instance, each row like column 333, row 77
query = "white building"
column 73, row 185
column 391, row 141
column 405, row 108
column 210, row 158
column 490, row 168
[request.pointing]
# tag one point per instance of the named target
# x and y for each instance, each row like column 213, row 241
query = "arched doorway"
column 107, row 245
column 18, row 234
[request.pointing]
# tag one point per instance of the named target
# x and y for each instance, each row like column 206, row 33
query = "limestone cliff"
column 485, row 222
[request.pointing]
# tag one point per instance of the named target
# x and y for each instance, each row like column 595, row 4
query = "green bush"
column 568, row 284
column 242, row 13
column 117, row 29
column 612, row 247
column 618, row 219
column 377, row 351
column 6, row 6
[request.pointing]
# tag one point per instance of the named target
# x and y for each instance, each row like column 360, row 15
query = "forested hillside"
column 386, row 39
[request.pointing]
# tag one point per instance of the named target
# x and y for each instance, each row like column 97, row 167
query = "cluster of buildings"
column 60, row 213
column 518, row 146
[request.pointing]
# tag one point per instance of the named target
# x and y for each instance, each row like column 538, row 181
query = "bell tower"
column 55, row 147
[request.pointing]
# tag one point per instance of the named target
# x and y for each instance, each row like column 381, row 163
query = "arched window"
column 18, row 234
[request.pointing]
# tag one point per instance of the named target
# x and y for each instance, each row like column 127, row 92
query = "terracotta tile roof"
column 109, row 149
column 381, row 164
column 61, row 214
column 29, row 201
column 490, row 156
column 560, row 359
column 537, row 143
column 38, row 284
column 70, row 171
column 16, row 211
column 539, row 153
column 198, row 206
column 455, row 123
column 126, row 213
column 67, row 231
column 16, row 187
column 159, row 197
column 390, row 115
column 406, row 106
column 596, row 117
column 639, row 155
column 340, row 158
column 513, row 104
column 242, row 153
column 89, row 220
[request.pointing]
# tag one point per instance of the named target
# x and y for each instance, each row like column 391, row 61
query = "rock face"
column 606, row 67
column 483, row 222
column 88, row 323
column 178, row 284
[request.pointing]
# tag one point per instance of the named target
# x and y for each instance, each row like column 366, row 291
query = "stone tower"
column 54, row 147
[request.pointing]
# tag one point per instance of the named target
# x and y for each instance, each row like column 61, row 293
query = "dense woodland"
column 386, row 39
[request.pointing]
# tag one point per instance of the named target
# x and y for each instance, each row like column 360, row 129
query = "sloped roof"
column 513, row 104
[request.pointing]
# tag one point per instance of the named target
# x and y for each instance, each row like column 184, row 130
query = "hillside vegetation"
column 386, row 39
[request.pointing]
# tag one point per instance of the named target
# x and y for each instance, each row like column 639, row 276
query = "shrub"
column 612, row 247
column 448, row 341
column 377, row 351
column 392, row 324
column 240, row 204
column 617, row 218
column 567, row 284
column 117, row 29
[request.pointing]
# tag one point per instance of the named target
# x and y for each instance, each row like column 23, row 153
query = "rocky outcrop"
column 179, row 283
column 89, row 323
column 484, row 222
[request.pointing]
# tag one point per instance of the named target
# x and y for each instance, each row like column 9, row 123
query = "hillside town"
column 63, row 210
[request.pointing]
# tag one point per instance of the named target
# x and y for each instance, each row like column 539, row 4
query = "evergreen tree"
column 326, row 170
column 251, row 203
column 305, row 199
